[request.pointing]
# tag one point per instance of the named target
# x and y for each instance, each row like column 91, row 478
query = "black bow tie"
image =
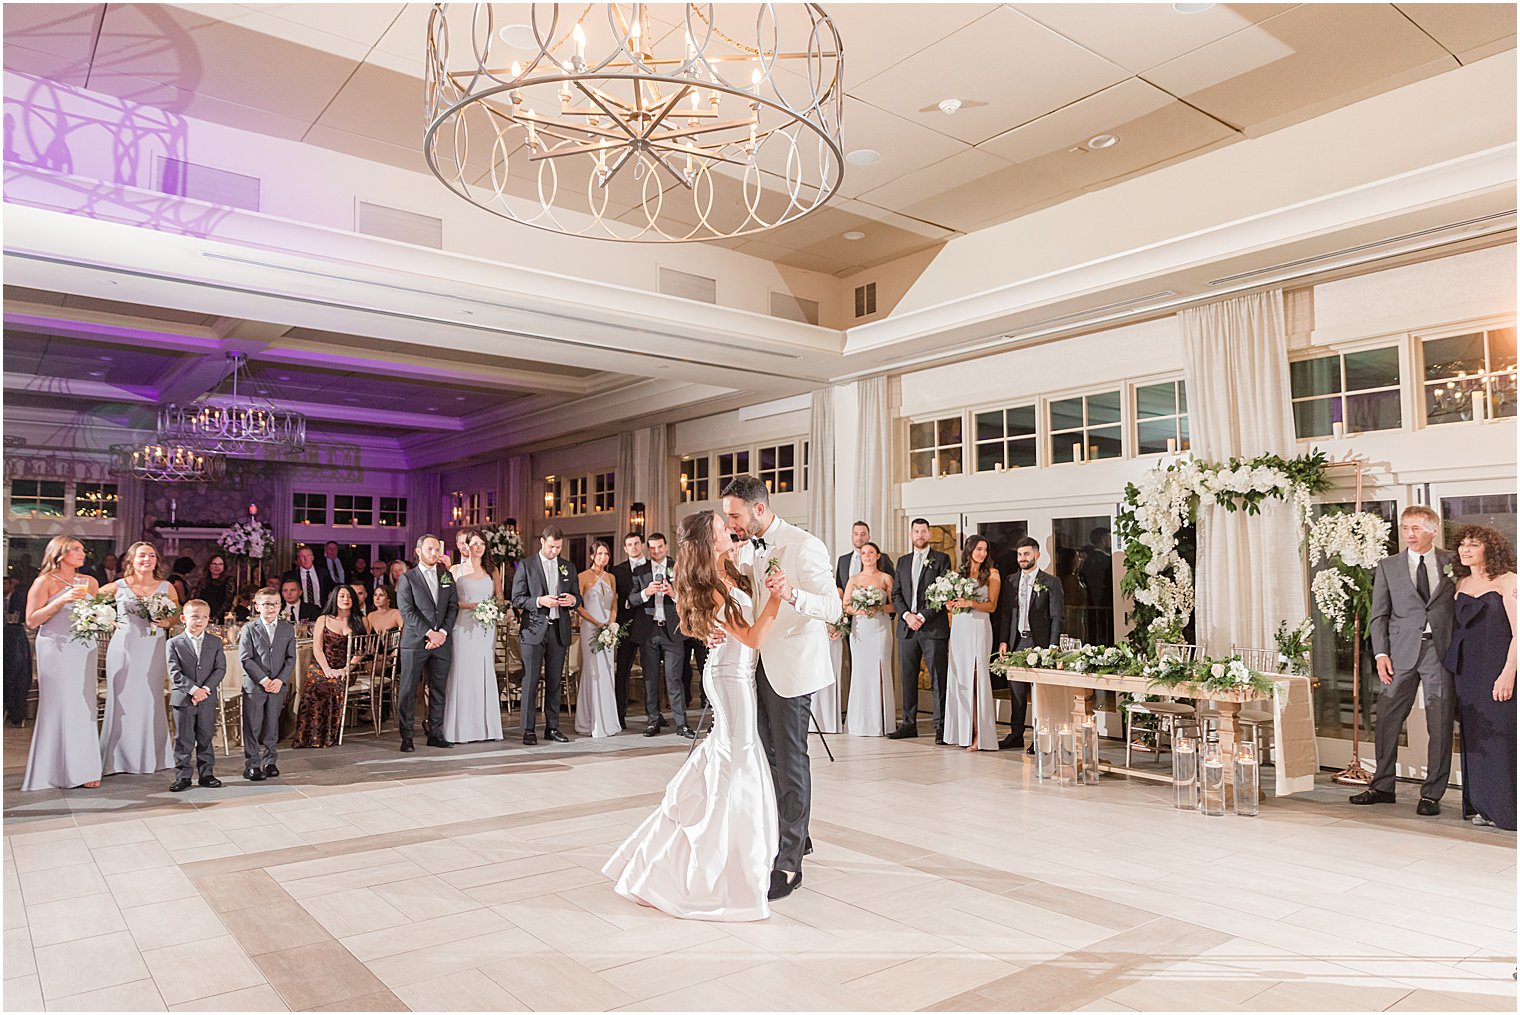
column 759, row 542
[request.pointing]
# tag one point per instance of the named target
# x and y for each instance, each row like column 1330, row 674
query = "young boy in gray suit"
column 197, row 664
column 267, row 650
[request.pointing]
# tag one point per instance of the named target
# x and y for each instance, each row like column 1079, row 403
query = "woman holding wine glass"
column 134, row 736
column 65, row 748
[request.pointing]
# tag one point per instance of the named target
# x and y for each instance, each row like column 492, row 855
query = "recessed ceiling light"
column 1102, row 141
column 854, row 234
column 105, row 359
column 282, row 377
column 459, row 398
column 467, row 313
column 1191, row 8
column 863, row 157
column 432, row 408
column 351, row 400
column 521, row 36
column 97, row 373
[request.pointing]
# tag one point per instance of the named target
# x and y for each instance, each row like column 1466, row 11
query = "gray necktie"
column 1026, row 588
column 918, row 569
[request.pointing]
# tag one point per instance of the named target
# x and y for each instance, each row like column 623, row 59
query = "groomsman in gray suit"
column 547, row 590
column 267, row 650
column 197, row 664
column 429, row 603
column 1413, row 611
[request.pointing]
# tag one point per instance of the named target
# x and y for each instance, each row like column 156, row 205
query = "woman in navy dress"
column 1482, row 661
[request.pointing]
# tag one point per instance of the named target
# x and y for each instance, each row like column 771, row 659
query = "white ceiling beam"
column 303, row 352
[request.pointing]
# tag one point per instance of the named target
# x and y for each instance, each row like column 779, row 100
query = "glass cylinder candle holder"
column 1044, row 749
column 1247, row 781
column 1185, row 773
column 1089, row 730
column 1066, row 755
column 1212, row 780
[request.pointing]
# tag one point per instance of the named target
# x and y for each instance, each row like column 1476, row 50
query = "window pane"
column 1445, row 402
column 1021, row 454
column 1448, row 357
column 1377, row 411
column 1103, row 408
column 1315, row 377
column 1182, row 396
column 1065, row 414
column 1501, row 349
column 1375, row 368
column 786, row 456
column 1153, row 434
column 1021, row 421
column 1184, row 436
column 989, row 426
column 1156, row 400
column 1314, row 418
column 950, row 461
column 989, row 456
column 741, row 459
column 920, row 464
column 949, row 431
column 1065, row 447
column 785, row 480
column 921, row 436
column 767, row 459
column 1502, row 394
column 1104, row 442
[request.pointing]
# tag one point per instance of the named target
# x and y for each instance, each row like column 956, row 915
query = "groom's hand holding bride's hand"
column 777, row 584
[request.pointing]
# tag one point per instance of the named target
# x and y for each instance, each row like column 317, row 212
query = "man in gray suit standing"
column 197, row 664
column 267, row 650
column 1412, row 616
column 429, row 603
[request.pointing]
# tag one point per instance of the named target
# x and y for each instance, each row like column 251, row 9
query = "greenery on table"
column 1214, row 675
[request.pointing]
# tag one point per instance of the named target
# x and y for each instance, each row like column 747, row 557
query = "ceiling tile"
column 368, row 148
column 1139, row 36
column 64, row 70
column 880, row 36
column 904, row 145
column 1464, row 27
column 1020, row 69
column 65, row 30
column 988, row 195
column 963, row 167
column 1314, row 57
column 378, row 103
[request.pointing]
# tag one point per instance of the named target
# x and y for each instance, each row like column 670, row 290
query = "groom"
column 794, row 658
column 429, row 603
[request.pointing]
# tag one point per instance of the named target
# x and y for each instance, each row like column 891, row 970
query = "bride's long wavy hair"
column 697, row 578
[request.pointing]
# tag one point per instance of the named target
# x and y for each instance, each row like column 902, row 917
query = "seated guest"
column 197, row 664
column 110, row 565
column 216, row 588
column 320, row 716
column 361, row 597
column 292, row 607
column 377, row 573
column 1412, row 609
column 393, row 576
column 1481, row 659
column 272, row 582
column 1033, row 607
column 331, row 567
column 313, row 582
column 267, row 650
column 359, row 574
column 383, row 615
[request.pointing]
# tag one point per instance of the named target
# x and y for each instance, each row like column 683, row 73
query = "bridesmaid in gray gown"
column 134, row 735
column 472, row 706
column 65, row 743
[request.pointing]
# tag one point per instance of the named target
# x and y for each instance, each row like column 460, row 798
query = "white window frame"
column 1125, row 416
column 327, row 498
column 761, row 473
column 1135, row 419
column 1417, row 360
column 353, row 510
column 975, row 443
column 1400, row 343
column 937, row 449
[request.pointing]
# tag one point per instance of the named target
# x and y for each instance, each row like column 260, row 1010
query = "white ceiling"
column 1036, row 81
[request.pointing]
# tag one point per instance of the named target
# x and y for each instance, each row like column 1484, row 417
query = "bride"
column 706, row 851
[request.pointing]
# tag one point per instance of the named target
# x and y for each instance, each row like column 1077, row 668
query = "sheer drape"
column 652, row 485
column 873, row 479
column 820, row 476
column 1249, row 574
column 520, row 501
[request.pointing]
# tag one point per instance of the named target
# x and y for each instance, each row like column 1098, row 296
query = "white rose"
column 1033, row 660
column 1217, row 670
column 105, row 614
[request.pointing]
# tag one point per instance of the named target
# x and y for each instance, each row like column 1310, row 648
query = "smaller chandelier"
column 244, row 426
column 652, row 123
column 162, row 463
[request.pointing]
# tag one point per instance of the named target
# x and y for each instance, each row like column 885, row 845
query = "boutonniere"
column 445, row 580
column 772, row 565
column 564, row 572
column 1449, row 572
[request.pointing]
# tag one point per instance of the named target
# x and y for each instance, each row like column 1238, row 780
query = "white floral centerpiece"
column 868, row 600
column 1293, row 646
column 504, row 542
column 93, row 617
column 489, row 612
column 252, row 539
column 155, row 608
column 951, row 586
column 607, row 637
column 1350, row 544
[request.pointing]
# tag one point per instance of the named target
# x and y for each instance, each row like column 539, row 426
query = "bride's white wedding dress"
column 706, row 851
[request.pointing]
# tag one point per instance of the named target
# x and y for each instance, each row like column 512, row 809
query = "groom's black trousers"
column 783, row 731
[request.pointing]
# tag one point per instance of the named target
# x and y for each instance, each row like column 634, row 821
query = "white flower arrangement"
column 489, row 612
column 951, row 586
column 868, row 600
column 1331, row 589
column 505, row 544
column 252, row 539
column 155, row 608
column 607, row 637
column 1350, row 545
column 93, row 617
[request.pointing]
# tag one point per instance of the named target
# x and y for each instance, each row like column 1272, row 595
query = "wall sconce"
column 636, row 518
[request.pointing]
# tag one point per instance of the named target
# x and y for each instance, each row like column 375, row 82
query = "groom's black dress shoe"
column 781, row 887
column 687, row 732
column 253, row 774
column 1011, row 743
column 211, row 782
column 406, row 747
column 270, row 772
column 556, row 736
column 180, row 785
column 1428, row 807
column 903, row 733
column 530, row 738
column 1373, row 796
column 807, row 845
column 438, row 742
column 652, row 730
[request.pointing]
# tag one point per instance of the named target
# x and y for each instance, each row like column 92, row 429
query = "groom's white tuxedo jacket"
column 796, row 649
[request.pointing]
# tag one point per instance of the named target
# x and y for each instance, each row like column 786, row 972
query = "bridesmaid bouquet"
column 504, row 543
column 607, row 637
column 868, row 601
column 951, row 586
column 156, row 608
column 489, row 611
column 93, row 618
column 841, row 627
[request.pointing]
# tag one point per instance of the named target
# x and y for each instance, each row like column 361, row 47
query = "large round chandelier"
column 641, row 122
column 163, row 463
column 242, row 425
